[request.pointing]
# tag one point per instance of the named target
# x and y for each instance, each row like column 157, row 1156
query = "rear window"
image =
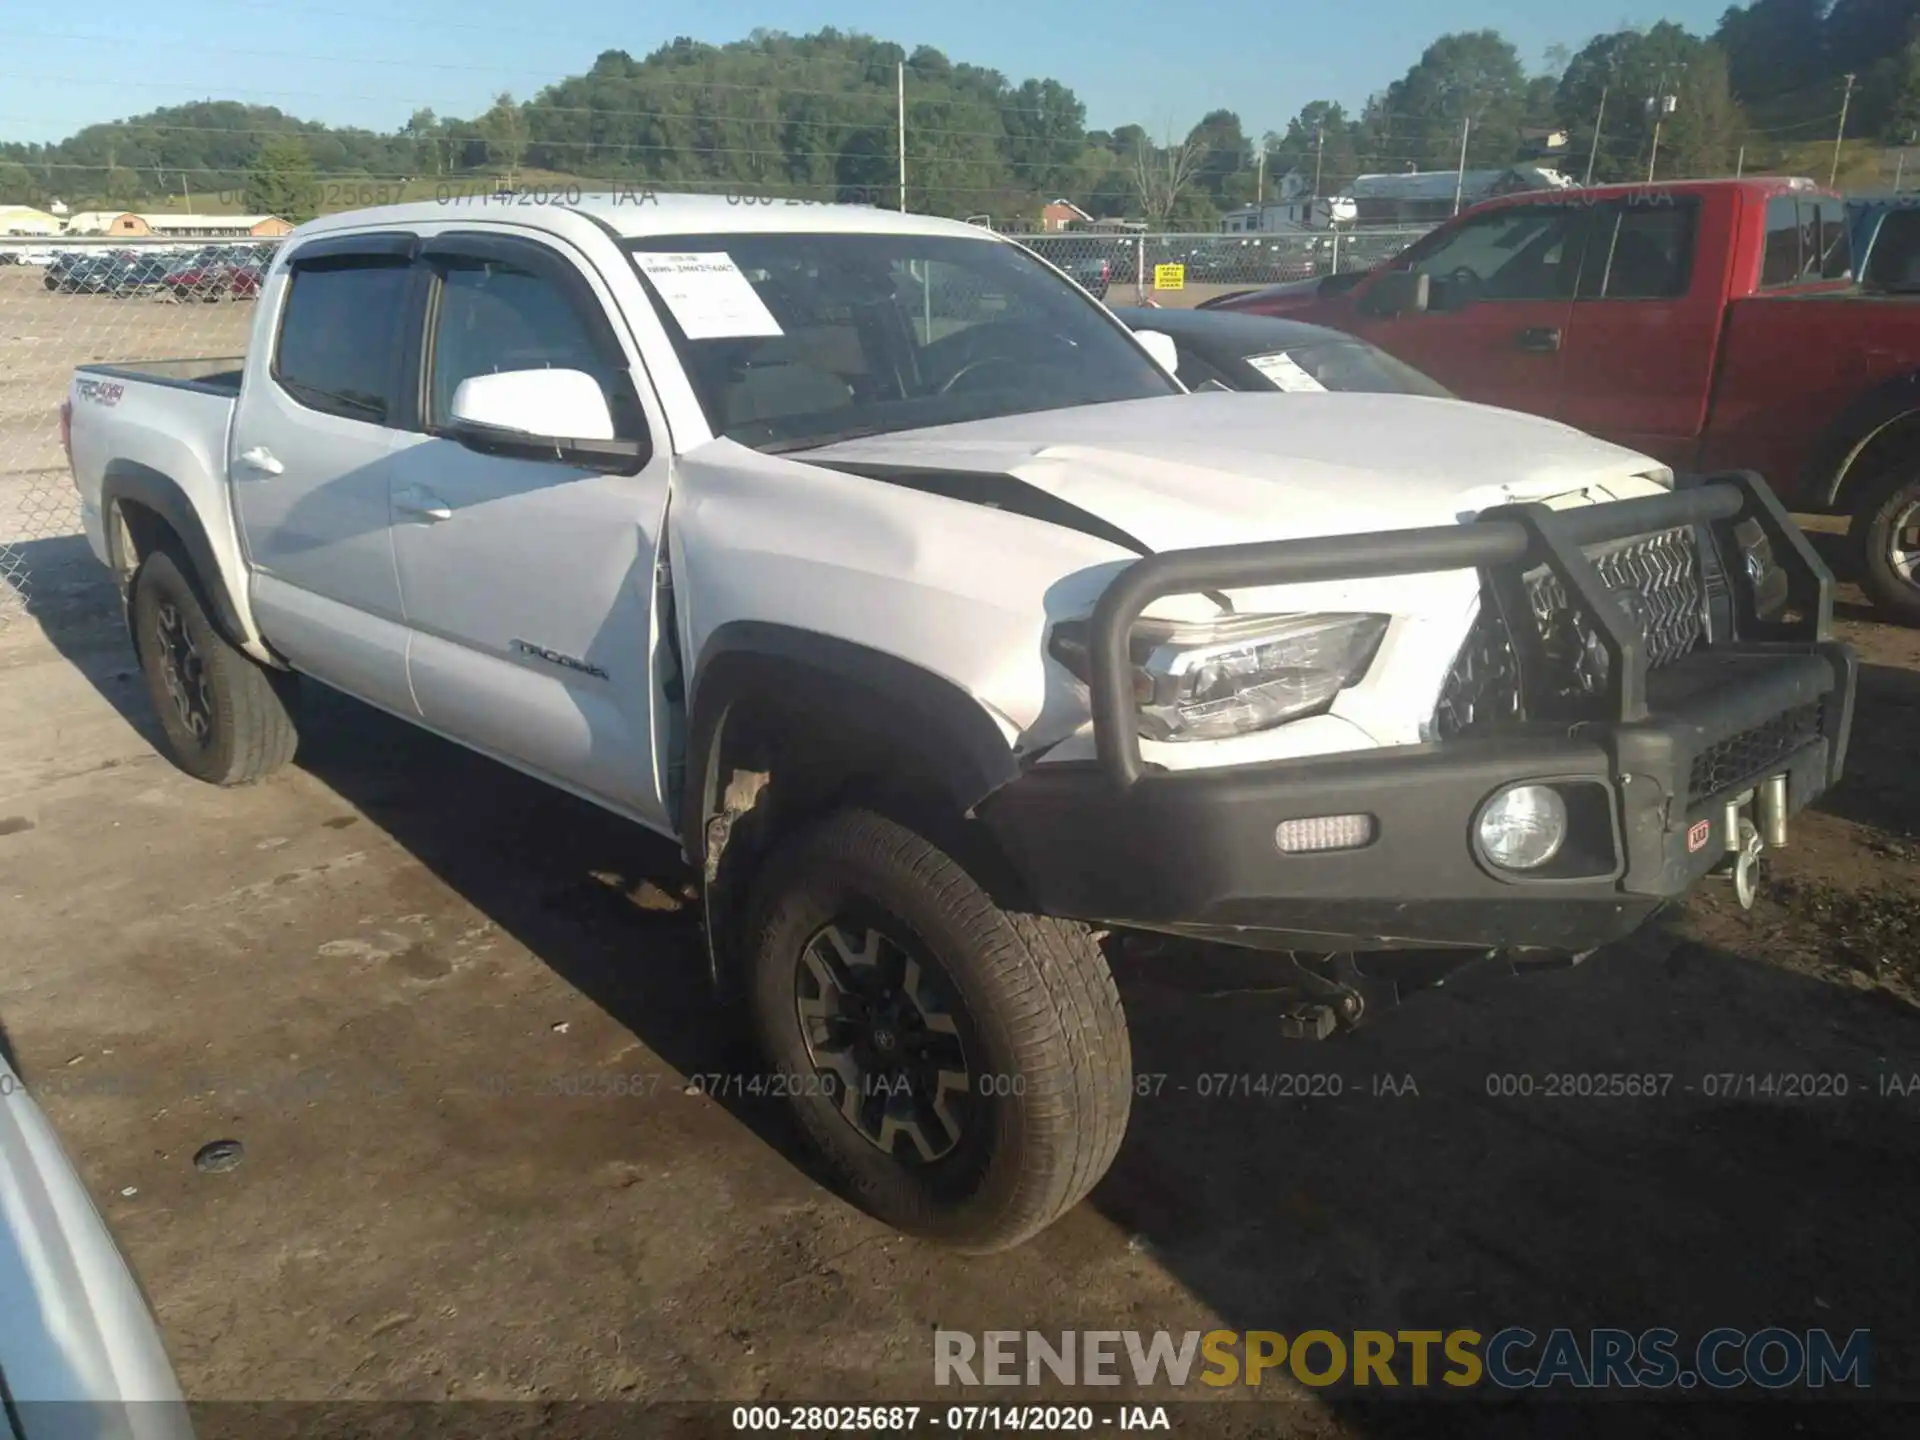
column 1806, row 240
column 339, row 334
column 1781, row 265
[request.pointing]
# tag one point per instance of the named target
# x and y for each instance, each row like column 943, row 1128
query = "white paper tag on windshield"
column 1284, row 371
column 708, row 295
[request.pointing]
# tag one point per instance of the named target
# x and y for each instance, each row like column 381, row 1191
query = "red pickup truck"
column 1712, row 324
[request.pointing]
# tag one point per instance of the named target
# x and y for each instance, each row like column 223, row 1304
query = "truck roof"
column 640, row 211
column 1760, row 188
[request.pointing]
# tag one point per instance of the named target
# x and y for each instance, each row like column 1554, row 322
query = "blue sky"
column 344, row 61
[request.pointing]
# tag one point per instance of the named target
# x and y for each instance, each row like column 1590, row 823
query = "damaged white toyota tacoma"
column 876, row 563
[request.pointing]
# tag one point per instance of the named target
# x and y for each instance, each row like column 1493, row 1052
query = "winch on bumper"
column 1661, row 745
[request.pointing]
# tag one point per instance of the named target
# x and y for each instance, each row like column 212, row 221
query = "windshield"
column 796, row 340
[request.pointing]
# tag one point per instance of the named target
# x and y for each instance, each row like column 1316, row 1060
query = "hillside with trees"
column 815, row 116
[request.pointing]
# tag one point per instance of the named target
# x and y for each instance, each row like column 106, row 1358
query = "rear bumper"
column 1647, row 783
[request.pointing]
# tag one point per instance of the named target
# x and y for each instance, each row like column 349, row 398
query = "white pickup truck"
column 876, row 563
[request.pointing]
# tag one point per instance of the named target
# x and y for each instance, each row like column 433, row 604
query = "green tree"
column 17, row 185
column 505, row 130
column 1777, row 54
column 1045, row 125
column 1470, row 77
column 282, row 180
column 1701, row 138
column 1320, row 144
column 1225, row 175
column 1635, row 69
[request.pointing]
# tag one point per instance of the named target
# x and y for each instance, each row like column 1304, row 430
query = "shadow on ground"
column 1428, row 1172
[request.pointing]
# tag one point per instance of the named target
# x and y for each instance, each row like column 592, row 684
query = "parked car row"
column 214, row 272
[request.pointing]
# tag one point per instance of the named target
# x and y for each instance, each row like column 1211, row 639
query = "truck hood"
column 1220, row 468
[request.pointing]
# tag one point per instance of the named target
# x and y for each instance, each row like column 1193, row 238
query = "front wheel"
column 963, row 1070
column 228, row 719
column 1886, row 541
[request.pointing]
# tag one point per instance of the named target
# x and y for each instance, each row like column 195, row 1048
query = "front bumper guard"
column 1664, row 750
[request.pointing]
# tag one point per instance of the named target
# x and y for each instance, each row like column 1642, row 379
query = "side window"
column 1836, row 249
column 339, row 333
column 493, row 317
column 1640, row 253
column 1511, row 254
column 1781, row 263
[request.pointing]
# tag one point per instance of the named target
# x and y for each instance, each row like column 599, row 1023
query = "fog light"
column 1522, row 827
column 1323, row 832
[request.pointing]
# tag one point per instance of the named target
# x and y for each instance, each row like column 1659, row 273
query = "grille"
column 1728, row 763
column 1655, row 579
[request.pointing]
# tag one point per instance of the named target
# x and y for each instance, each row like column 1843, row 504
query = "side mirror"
column 1160, row 346
column 1397, row 292
column 560, row 416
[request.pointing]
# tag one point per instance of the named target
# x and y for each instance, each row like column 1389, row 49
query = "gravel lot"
column 415, row 984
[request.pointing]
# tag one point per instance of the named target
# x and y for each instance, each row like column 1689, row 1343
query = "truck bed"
column 161, row 425
column 220, row 374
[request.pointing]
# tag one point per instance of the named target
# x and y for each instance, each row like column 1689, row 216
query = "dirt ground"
column 455, row 1029
column 457, row 1022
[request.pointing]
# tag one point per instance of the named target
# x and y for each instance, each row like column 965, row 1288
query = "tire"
column 1886, row 542
column 228, row 719
column 1031, row 1006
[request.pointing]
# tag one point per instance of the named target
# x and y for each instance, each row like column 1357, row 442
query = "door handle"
column 260, row 458
column 423, row 503
column 1542, row 339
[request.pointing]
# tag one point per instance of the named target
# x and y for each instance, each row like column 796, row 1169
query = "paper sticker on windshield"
column 708, row 295
column 1284, row 371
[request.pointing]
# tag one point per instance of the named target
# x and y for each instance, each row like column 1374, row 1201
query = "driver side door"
column 1502, row 287
column 528, row 585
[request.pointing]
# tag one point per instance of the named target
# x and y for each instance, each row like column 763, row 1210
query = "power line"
column 671, row 83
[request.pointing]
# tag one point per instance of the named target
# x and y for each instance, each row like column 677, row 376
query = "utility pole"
column 1260, row 178
column 1460, row 176
column 1599, row 119
column 1740, row 165
column 900, row 115
column 1841, row 134
column 1319, row 153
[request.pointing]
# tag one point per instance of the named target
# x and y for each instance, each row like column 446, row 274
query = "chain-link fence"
column 67, row 302
column 1185, row 269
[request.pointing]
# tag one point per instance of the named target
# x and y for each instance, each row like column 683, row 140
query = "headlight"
column 1215, row 678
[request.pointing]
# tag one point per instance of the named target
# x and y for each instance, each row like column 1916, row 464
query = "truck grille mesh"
column 1656, row 579
column 1740, row 758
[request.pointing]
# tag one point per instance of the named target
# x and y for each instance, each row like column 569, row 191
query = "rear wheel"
column 228, row 719
column 963, row 1070
column 1886, row 542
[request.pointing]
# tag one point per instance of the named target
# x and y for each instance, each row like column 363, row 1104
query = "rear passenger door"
column 1644, row 328
column 528, row 585
column 317, row 418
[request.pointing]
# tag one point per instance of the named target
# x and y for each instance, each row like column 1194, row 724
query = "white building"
column 25, row 220
column 177, row 227
column 1429, row 196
